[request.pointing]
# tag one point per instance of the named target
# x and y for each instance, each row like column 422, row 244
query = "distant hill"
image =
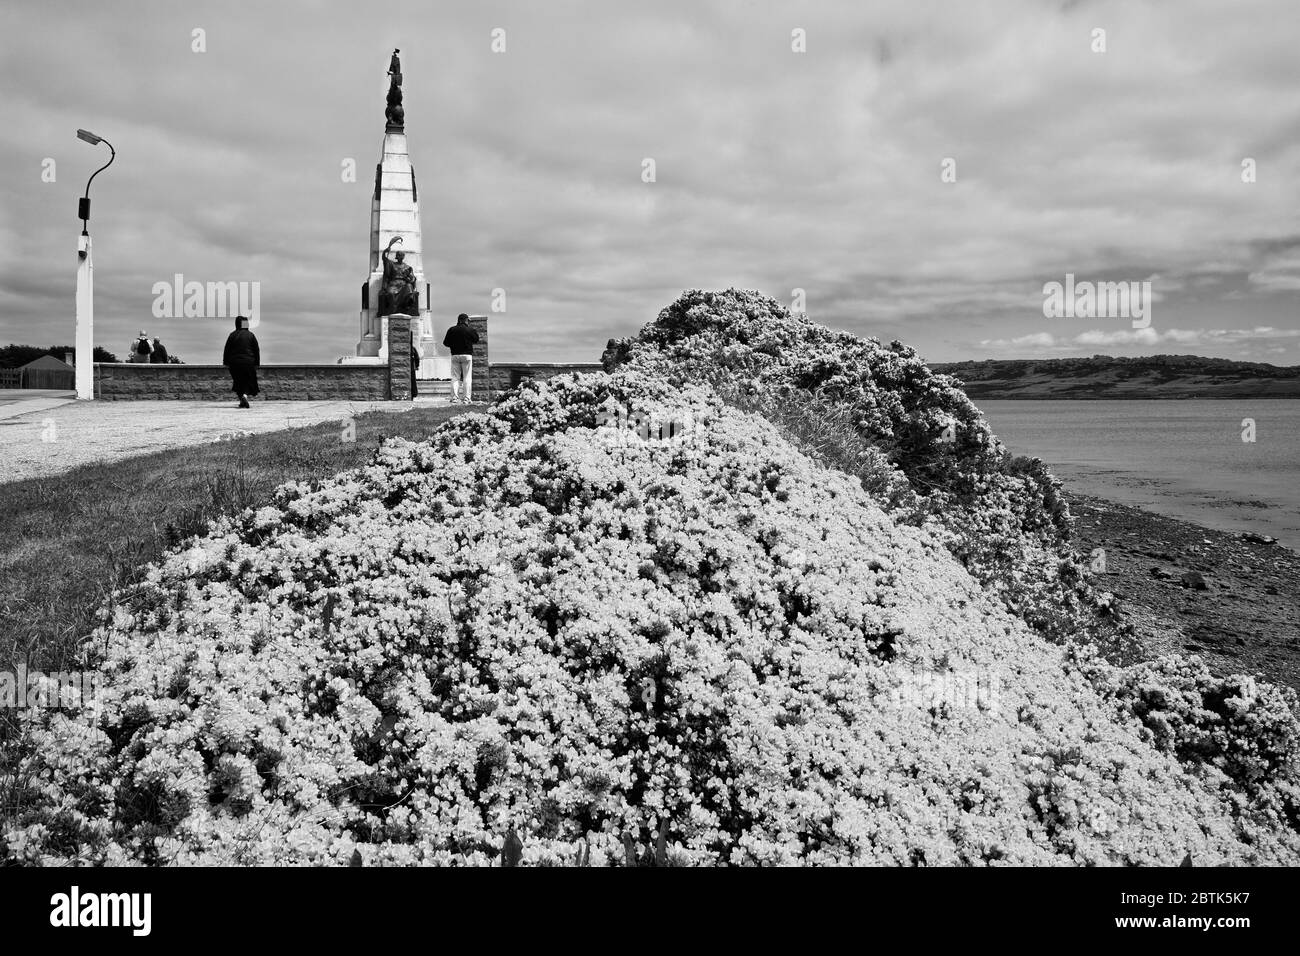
column 1102, row 376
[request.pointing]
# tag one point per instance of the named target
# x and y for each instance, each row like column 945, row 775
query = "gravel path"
column 41, row 438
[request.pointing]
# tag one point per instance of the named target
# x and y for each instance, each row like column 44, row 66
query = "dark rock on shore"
column 1231, row 598
column 1257, row 538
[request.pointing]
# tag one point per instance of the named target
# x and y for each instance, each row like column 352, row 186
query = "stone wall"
column 481, row 370
column 506, row 375
column 399, row 358
column 360, row 383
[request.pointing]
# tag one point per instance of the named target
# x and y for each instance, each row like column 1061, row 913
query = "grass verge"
column 67, row 542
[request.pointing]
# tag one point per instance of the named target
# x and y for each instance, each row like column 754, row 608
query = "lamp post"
column 85, row 368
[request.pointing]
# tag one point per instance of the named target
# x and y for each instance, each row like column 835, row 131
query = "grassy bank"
column 67, row 542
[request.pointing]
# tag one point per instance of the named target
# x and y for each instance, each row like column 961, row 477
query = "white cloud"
column 1147, row 336
column 1279, row 273
column 1187, row 337
column 775, row 170
column 1045, row 340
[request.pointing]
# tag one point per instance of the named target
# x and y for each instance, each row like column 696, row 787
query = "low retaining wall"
column 304, row 383
column 507, row 375
column 359, row 383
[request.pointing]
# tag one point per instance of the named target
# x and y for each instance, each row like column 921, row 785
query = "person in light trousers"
column 461, row 339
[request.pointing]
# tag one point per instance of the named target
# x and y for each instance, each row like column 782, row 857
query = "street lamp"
column 85, row 369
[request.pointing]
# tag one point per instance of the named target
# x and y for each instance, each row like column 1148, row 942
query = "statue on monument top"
column 397, row 293
column 394, row 113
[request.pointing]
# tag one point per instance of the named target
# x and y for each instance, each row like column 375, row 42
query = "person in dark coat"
column 461, row 339
column 242, row 357
column 159, row 355
column 417, row 353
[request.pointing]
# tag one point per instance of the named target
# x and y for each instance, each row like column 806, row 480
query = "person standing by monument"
column 461, row 339
column 242, row 356
column 159, row 355
column 417, row 355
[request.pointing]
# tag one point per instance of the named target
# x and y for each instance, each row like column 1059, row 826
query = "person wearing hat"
column 141, row 349
column 242, row 356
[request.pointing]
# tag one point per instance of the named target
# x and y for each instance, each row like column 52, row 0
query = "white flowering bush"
column 925, row 454
column 530, row 624
column 1009, row 524
column 1230, row 727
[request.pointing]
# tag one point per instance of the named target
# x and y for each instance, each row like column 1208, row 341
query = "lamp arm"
column 101, row 168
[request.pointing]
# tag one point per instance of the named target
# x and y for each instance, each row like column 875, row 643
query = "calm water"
column 1185, row 459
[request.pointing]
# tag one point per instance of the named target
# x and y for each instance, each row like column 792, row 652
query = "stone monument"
column 396, row 283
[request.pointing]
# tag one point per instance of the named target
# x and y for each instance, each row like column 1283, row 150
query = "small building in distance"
column 47, row 372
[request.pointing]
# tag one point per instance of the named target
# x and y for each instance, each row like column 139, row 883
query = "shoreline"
column 1240, row 615
column 1153, row 395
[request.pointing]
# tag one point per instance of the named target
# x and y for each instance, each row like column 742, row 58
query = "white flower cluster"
column 926, row 455
column 1009, row 524
column 516, row 625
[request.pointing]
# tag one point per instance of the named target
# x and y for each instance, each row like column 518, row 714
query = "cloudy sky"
column 778, row 170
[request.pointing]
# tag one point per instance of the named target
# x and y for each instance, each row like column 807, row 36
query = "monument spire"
column 394, row 112
column 396, row 284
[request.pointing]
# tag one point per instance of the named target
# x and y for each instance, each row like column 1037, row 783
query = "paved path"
column 20, row 401
column 39, row 439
